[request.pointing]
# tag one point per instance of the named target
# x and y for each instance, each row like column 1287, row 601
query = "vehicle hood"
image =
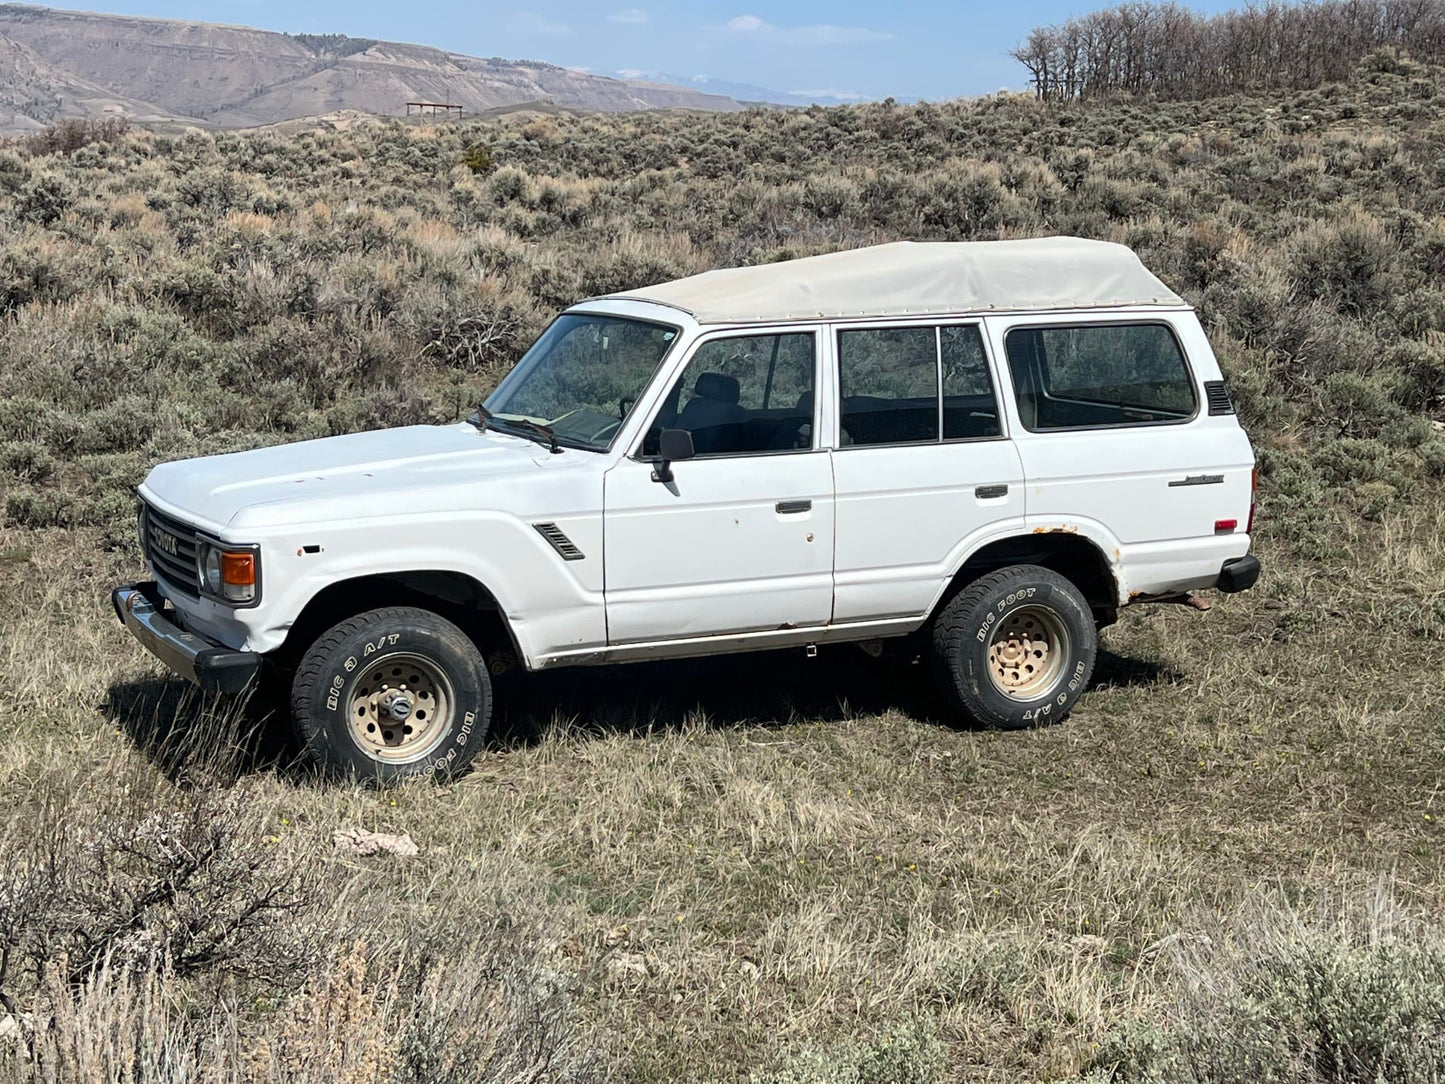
column 386, row 472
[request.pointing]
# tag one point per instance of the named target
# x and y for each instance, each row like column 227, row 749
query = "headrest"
column 717, row 386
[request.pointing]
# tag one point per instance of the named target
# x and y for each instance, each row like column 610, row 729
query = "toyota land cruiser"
column 991, row 445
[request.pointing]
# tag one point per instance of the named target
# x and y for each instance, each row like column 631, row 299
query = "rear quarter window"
column 1099, row 375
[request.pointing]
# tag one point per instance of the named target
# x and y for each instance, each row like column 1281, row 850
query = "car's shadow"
column 186, row 733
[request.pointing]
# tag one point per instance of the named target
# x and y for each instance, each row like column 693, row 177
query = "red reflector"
column 1224, row 526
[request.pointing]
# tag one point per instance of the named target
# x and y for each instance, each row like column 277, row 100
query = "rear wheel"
column 1015, row 648
column 391, row 694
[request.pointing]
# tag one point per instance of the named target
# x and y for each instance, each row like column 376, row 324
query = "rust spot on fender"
column 1060, row 529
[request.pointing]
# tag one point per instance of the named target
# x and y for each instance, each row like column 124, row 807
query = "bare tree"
column 1171, row 52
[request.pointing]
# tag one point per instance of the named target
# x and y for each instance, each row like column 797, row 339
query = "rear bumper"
column 1239, row 574
column 211, row 666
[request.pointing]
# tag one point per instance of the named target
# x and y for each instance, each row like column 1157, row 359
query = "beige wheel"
column 1027, row 652
column 401, row 707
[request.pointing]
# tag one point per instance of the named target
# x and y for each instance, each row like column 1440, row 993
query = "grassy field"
column 1225, row 865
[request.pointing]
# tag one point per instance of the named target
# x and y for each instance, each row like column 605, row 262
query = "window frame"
column 937, row 325
column 813, row 331
column 601, row 314
column 1071, row 325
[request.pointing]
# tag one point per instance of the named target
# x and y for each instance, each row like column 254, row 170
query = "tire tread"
column 304, row 687
column 958, row 618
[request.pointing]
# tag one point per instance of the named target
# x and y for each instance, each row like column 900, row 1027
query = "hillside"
column 1226, row 865
column 236, row 76
column 34, row 94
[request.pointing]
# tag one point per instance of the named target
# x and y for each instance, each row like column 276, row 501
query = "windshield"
column 580, row 379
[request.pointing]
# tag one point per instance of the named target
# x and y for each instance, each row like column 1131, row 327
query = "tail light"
column 1253, row 494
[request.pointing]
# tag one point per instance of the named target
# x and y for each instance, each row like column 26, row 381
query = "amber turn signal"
column 238, row 569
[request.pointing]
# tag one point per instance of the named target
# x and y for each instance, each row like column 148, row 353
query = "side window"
column 745, row 394
column 1099, row 375
column 970, row 409
column 890, row 381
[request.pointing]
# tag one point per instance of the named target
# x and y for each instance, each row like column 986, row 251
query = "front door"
column 741, row 540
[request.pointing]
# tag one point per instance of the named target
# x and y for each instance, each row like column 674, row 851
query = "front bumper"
column 205, row 662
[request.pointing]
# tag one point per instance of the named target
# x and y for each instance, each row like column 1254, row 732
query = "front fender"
column 549, row 604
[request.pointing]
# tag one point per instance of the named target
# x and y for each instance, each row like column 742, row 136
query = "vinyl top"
column 916, row 278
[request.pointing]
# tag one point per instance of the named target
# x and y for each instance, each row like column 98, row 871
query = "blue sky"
column 905, row 48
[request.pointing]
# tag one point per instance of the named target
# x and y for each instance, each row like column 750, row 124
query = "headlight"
column 211, row 570
column 227, row 573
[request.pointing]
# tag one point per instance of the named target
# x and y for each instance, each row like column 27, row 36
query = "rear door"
column 741, row 540
column 1114, row 428
column 923, row 467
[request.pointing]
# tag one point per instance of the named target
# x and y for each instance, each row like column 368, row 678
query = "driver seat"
column 712, row 411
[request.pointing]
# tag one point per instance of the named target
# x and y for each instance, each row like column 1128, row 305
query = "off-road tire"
column 338, row 671
column 1000, row 610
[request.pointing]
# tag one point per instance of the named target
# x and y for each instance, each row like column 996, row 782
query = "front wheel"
column 391, row 694
column 1015, row 648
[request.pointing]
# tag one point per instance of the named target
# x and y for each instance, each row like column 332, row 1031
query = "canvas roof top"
column 914, row 278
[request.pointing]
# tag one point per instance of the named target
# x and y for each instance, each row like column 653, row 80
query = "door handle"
column 788, row 508
column 984, row 493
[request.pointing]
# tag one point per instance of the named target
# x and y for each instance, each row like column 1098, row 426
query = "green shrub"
column 910, row 1053
column 1294, row 1003
column 42, row 508
column 44, row 199
column 28, row 461
column 478, row 158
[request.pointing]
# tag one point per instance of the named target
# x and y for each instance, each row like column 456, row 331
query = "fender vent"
column 1218, row 396
column 560, row 542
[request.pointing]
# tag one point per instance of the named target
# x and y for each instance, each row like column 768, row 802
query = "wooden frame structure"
column 433, row 109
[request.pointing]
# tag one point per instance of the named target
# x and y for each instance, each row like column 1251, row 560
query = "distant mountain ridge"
column 56, row 64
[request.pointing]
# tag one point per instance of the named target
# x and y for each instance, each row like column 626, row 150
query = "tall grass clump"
column 1287, row 995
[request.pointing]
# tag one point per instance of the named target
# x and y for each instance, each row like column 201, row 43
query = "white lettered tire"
column 1015, row 648
column 392, row 694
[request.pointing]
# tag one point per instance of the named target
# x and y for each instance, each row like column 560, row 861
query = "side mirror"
column 672, row 445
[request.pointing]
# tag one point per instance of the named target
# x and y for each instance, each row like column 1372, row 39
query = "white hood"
column 386, row 472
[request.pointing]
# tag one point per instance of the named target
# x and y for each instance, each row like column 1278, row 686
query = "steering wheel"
column 623, row 406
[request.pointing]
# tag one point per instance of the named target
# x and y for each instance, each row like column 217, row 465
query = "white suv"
column 994, row 445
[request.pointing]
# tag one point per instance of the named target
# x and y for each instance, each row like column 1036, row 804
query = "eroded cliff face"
column 34, row 93
column 56, row 64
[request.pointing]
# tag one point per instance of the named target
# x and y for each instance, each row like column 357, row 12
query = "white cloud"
column 632, row 73
column 747, row 24
column 758, row 29
column 834, row 95
column 529, row 22
column 628, row 15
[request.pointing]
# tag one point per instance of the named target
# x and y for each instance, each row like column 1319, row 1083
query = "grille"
column 560, row 542
column 178, row 569
column 1218, row 396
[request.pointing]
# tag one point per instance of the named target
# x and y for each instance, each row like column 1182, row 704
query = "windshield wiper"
column 482, row 419
column 543, row 431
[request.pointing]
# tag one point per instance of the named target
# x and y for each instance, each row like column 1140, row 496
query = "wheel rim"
column 401, row 707
column 1027, row 652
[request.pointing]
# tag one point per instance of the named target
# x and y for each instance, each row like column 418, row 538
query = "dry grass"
column 720, row 864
